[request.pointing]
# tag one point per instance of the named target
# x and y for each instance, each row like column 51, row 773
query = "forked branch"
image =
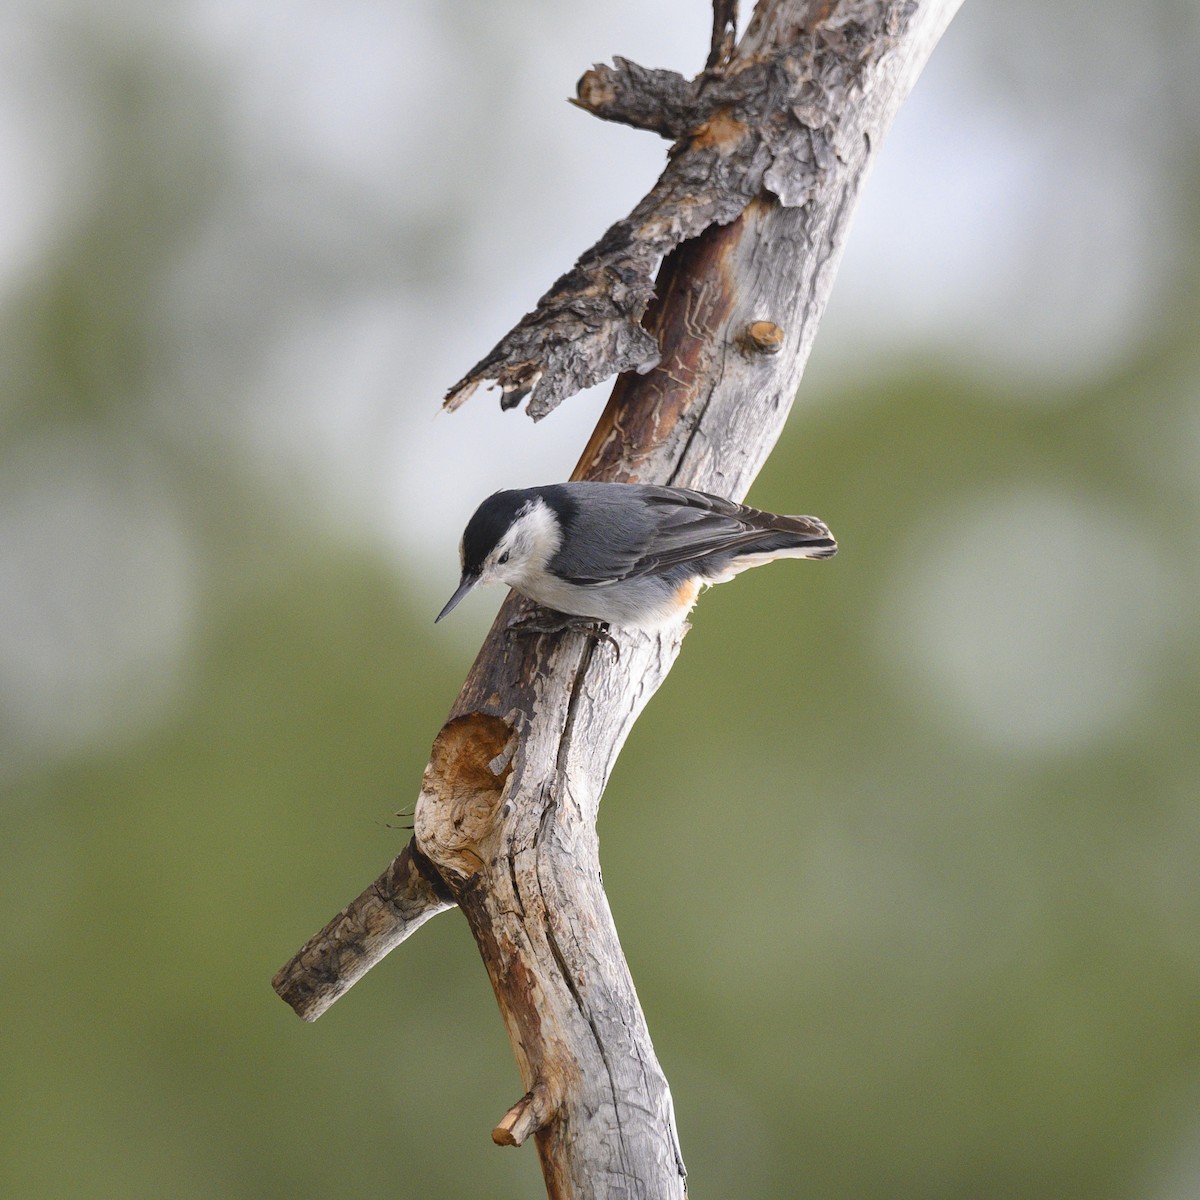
column 768, row 120
column 773, row 141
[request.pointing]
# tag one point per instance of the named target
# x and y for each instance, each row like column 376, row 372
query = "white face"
column 527, row 545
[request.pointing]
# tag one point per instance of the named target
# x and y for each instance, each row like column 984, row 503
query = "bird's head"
column 512, row 536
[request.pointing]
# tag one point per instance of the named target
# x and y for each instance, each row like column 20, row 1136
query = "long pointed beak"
column 467, row 583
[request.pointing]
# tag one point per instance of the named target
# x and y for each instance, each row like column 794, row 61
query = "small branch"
column 396, row 905
column 724, row 34
column 644, row 97
column 411, row 890
column 534, row 1111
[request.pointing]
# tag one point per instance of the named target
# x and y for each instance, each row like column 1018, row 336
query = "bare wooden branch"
column 532, row 1112
column 771, row 121
column 397, row 904
column 508, row 803
column 644, row 97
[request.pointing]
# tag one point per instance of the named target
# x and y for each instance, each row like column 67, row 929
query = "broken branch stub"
column 768, row 122
column 724, row 33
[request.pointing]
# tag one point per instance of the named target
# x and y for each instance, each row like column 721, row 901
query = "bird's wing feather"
column 671, row 527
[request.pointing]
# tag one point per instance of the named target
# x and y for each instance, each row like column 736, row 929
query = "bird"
column 632, row 555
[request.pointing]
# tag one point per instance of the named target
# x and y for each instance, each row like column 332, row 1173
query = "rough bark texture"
column 507, row 810
column 396, row 905
column 771, row 120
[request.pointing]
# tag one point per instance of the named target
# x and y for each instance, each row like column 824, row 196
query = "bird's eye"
column 503, row 558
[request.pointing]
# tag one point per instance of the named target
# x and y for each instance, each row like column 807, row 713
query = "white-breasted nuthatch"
column 626, row 554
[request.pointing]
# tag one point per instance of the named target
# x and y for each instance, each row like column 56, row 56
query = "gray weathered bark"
column 771, row 146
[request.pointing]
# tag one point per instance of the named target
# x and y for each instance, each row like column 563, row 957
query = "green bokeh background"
column 891, row 941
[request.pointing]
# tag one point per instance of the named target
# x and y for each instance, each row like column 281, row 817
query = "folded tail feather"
column 783, row 537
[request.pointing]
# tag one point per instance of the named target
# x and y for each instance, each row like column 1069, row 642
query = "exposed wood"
column 532, row 1112
column 508, row 804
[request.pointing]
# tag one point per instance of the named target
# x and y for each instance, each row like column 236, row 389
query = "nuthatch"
column 623, row 553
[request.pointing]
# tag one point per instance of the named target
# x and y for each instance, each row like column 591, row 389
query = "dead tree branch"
column 751, row 212
column 397, row 904
column 772, row 121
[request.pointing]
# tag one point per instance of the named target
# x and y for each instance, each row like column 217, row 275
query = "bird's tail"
column 776, row 537
column 793, row 537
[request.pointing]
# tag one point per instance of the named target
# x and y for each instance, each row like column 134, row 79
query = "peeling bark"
column 759, row 191
column 771, row 119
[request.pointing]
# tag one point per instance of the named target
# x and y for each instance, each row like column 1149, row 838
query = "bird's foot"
column 548, row 621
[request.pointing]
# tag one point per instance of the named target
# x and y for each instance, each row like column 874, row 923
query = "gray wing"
column 611, row 538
